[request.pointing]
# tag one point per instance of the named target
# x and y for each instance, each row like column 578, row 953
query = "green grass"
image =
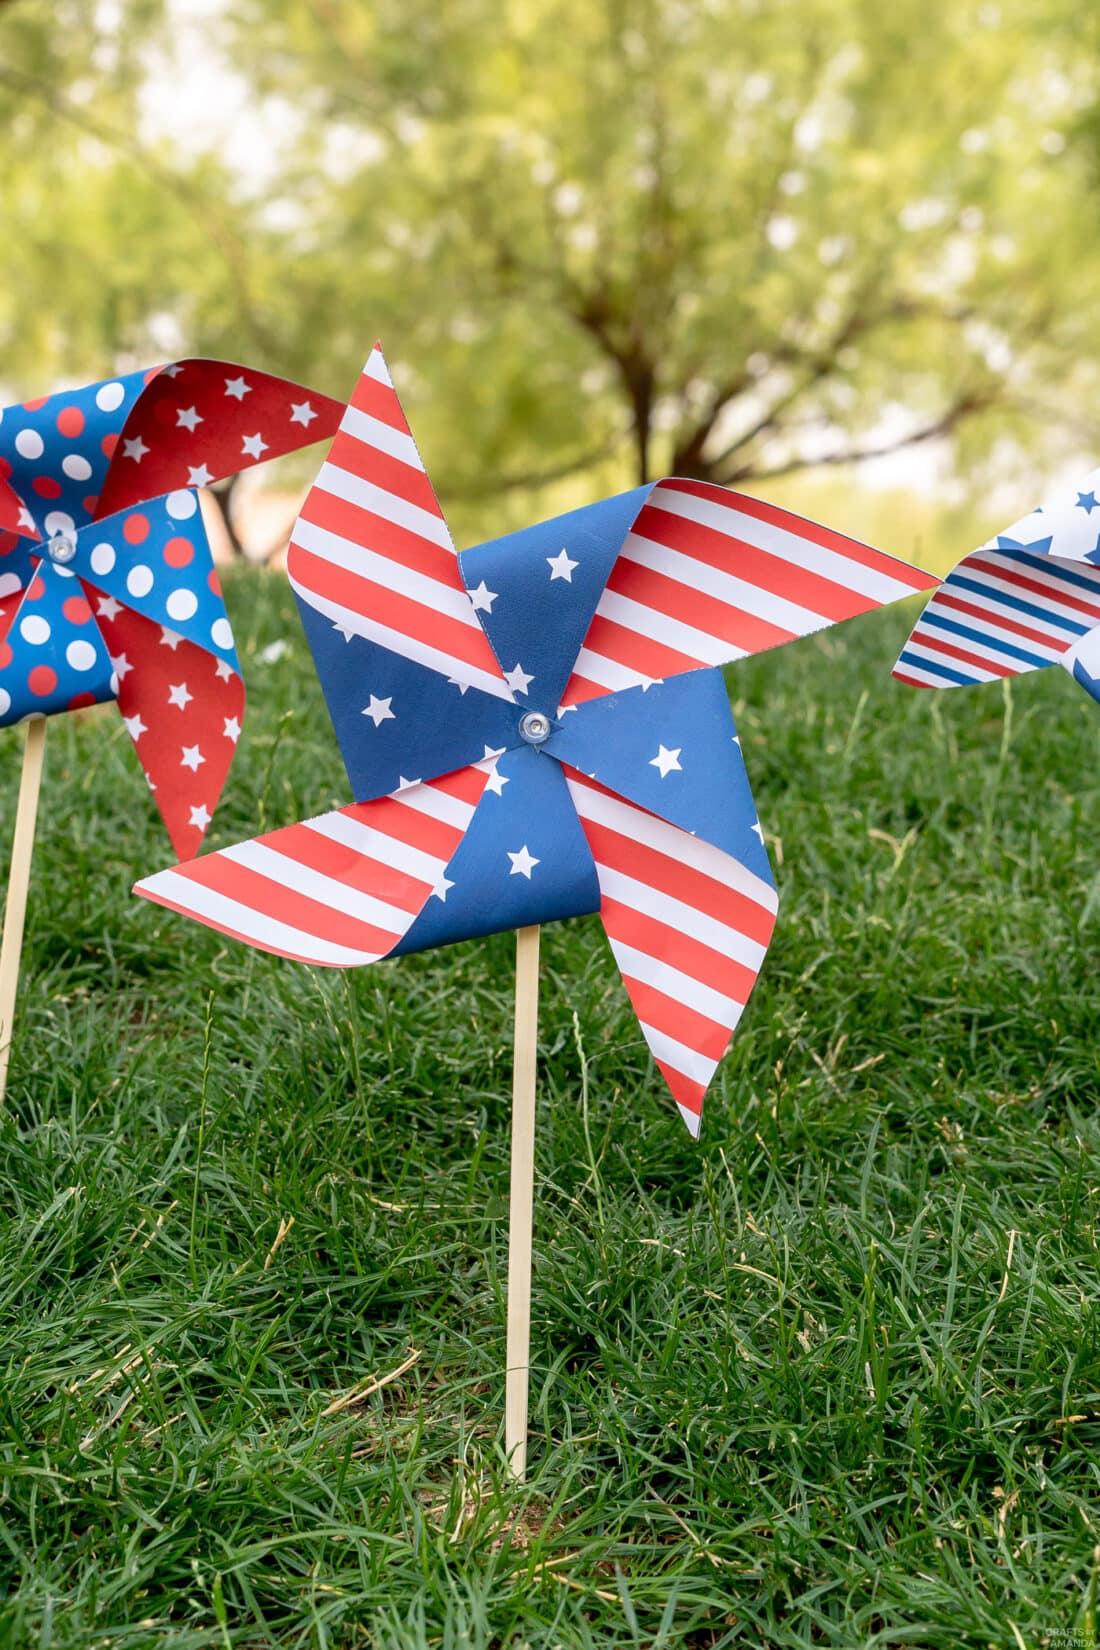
column 829, row 1378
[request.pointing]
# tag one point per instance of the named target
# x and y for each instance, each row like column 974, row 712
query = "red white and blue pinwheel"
column 536, row 728
column 107, row 587
column 1028, row 598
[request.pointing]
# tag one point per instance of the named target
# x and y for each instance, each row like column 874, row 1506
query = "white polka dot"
column 182, row 604
column 220, row 633
column 29, row 444
column 81, row 655
column 181, row 505
column 34, row 630
column 103, row 559
column 139, row 580
column 109, row 396
column 9, row 584
column 58, row 522
column 76, row 467
column 113, row 684
column 5, row 702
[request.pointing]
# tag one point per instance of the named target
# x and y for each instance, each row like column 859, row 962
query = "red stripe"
column 385, row 538
column 233, row 933
column 273, row 899
column 381, row 469
column 465, row 784
column 1038, row 588
column 998, row 620
column 778, row 573
column 418, row 830
column 614, row 641
column 732, row 625
column 684, row 1091
column 911, row 681
column 400, row 613
column 826, row 537
column 671, row 876
column 691, row 956
column 354, row 869
column 676, row 1020
column 379, row 401
column 932, row 639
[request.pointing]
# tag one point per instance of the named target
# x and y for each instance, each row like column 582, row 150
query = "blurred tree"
column 731, row 238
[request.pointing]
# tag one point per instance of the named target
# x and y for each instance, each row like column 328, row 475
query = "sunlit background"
column 840, row 253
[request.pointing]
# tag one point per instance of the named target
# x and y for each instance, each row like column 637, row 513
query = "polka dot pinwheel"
column 107, row 588
column 535, row 729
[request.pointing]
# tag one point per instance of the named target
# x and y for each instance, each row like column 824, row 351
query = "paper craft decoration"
column 535, row 729
column 108, row 590
column 1029, row 598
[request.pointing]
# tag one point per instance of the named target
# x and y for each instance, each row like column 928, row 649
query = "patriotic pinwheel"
column 1028, row 598
column 107, row 590
column 535, row 729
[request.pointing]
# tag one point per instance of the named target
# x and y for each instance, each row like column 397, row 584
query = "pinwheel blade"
column 339, row 890
column 52, row 657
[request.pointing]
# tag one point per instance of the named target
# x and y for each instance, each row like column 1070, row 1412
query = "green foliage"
column 829, row 1378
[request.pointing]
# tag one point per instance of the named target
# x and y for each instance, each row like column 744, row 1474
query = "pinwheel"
column 107, row 587
column 1028, row 598
column 535, row 729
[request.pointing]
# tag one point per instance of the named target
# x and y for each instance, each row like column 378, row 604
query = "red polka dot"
column 135, row 529
column 70, row 421
column 33, row 406
column 36, row 588
column 214, row 582
column 42, row 681
column 81, row 701
column 76, row 610
column 178, row 552
column 154, row 372
column 46, row 487
column 6, row 655
column 90, row 503
column 108, row 445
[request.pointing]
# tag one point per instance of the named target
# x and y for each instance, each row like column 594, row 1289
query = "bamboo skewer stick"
column 521, row 1202
column 15, row 906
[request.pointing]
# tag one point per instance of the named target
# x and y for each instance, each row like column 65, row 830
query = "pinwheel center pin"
column 61, row 548
column 534, row 726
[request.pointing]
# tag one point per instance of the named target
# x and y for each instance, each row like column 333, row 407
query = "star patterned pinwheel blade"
column 550, row 700
column 1028, row 598
column 107, row 586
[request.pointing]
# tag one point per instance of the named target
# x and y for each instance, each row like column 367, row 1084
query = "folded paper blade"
column 1083, row 663
column 707, row 576
column 53, row 658
column 689, row 927
column 371, row 551
column 17, row 566
column 339, row 890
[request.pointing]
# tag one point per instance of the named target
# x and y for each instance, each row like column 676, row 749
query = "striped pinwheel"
column 1028, row 598
column 536, row 729
column 107, row 588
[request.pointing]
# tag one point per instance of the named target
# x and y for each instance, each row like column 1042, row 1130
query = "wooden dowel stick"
column 15, row 905
column 521, row 1202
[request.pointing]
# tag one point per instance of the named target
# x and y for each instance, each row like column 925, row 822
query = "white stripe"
column 340, row 897
column 425, row 799
column 683, row 988
column 253, row 926
column 649, row 621
column 975, row 673
column 373, row 844
column 354, row 489
column 406, row 646
column 431, row 594
column 607, row 673
column 377, row 369
column 689, row 850
column 778, row 541
column 684, row 918
column 693, row 1119
column 679, row 1056
column 992, row 643
column 1048, row 600
column 994, row 612
column 912, row 670
column 375, row 433
column 725, row 587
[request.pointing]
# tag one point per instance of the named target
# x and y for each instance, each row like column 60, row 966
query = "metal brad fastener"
column 535, row 727
column 61, row 549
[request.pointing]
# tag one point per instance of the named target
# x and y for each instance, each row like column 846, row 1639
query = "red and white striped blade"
column 372, row 552
column 340, row 890
column 707, row 576
column 689, row 927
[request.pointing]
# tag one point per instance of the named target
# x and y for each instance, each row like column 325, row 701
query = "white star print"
column 170, row 638
column 496, row 782
column 108, row 608
column 404, row 784
column 178, row 695
column 237, row 388
column 199, row 476
column 518, row 680
column 254, row 446
column 134, row 448
column 223, row 670
column 135, row 727
column 439, row 892
column 737, row 740
column 483, row 598
column 759, row 829
column 523, row 863
column 666, row 761
column 379, row 710
column 342, row 630
column 452, row 681
column 231, row 728
column 173, row 371
column 192, row 757
column 187, row 418
column 121, row 666
column 201, row 816
column 561, row 567
column 302, row 413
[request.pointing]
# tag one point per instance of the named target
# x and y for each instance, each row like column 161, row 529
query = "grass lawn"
column 829, row 1378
